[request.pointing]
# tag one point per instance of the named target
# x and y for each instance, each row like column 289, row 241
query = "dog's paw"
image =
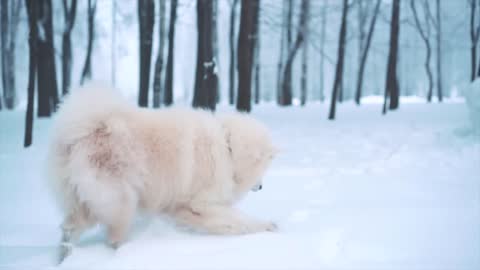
column 65, row 250
column 264, row 227
column 271, row 227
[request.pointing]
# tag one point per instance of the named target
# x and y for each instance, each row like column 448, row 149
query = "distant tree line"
column 246, row 18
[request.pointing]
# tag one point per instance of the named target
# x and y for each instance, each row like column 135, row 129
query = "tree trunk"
column 340, row 61
column 304, row 82
column 287, row 73
column 286, row 90
column 146, row 13
column 231, row 39
column 474, row 35
column 439, row 52
column 205, row 79
column 245, row 49
column 4, row 12
column 10, row 18
column 157, row 78
column 168, row 95
column 47, row 78
column 69, row 13
column 256, row 54
column 364, row 53
column 215, row 50
column 322, row 50
column 282, row 52
column 32, row 11
column 87, row 67
column 391, row 85
column 425, row 35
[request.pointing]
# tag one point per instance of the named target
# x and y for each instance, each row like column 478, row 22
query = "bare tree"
column 364, row 43
column 157, row 77
column 47, row 78
column 87, row 67
column 424, row 31
column 392, row 91
column 146, row 17
column 340, row 61
column 168, row 94
column 215, row 49
column 205, row 77
column 292, row 51
column 32, row 11
column 281, row 57
column 474, row 36
column 305, row 30
column 245, row 49
column 69, row 13
column 256, row 59
column 231, row 40
column 286, row 78
column 438, row 27
column 322, row 49
column 10, row 15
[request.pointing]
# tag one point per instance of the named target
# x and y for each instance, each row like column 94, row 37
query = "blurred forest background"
column 238, row 52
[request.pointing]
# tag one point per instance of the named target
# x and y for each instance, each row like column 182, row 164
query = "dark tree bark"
column 439, row 52
column 87, row 67
column 4, row 12
column 32, row 11
column 282, row 52
column 474, row 36
column 47, row 78
column 10, row 17
column 289, row 23
column 245, row 49
column 215, row 49
column 69, row 14
column 146, row 13
column 285, row 85
column 231, row 40
column 292, row 51
column 205, row 77
column 157, row 77
column 392, row 91
column 337, row 83
column 168, row 96
column 256, row 60
column 322, row 50
column 364, row 49
column 305, row 30
column 424, row 32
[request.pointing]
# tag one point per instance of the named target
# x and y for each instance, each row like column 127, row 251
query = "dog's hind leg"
column 221, row 220
column 76, row 222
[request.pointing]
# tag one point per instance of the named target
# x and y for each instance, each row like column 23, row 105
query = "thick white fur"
column 109, row 159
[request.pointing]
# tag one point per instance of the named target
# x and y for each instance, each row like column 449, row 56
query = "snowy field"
column 366, row 191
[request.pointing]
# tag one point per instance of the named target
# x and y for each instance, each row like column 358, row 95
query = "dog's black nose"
column 259, row 187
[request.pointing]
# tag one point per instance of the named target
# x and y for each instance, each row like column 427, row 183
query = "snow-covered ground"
column 366, row 191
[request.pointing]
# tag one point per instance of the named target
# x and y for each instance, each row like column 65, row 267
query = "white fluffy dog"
column 109, row 159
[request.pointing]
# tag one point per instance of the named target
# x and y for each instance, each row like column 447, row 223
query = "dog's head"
column 251, row 151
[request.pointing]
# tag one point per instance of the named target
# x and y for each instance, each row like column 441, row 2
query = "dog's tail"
column 85, row 112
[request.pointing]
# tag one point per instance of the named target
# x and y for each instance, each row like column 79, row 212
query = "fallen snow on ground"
column 366, row 191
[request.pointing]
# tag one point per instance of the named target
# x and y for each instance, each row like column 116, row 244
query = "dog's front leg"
column 221, row 220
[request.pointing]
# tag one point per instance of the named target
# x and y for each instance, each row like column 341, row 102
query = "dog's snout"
column 259, row 187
